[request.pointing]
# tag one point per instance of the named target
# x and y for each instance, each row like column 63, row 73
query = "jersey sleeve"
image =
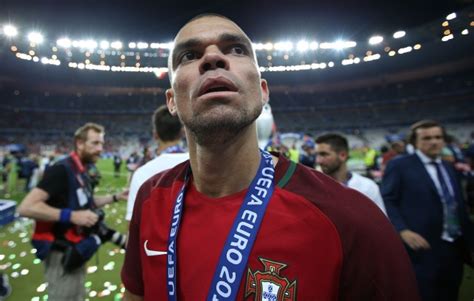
column 54, row 181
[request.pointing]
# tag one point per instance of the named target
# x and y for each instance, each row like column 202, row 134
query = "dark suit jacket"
column 413, row 203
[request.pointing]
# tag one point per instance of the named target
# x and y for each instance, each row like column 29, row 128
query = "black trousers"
column 439, row 271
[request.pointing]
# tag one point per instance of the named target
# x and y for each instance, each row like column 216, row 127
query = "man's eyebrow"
column 223, row 38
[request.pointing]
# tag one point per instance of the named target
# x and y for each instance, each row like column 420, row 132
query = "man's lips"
column 219, row 84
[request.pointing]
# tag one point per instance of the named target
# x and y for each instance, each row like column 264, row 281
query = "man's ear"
column 170, row 103
column 344, row 156
column 265, row 90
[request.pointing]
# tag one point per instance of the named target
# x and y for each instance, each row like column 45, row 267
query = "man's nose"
column 213, row 59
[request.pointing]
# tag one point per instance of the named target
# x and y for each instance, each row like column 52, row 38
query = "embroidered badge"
column 269, row 285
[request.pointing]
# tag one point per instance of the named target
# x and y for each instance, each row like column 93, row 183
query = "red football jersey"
column 318, row 241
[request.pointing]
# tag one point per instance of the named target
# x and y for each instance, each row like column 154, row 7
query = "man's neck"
column 222, row 170
column 162, row 145
column 341, row 174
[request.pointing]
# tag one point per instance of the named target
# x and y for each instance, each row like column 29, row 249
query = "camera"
column 104, row 232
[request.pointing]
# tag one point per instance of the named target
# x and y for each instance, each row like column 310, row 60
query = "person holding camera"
column 69, row 224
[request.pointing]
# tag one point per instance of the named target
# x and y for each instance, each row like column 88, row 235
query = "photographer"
column 69, row 226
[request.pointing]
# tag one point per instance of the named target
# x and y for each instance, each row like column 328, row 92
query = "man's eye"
column 239, row 50
column 188, row 56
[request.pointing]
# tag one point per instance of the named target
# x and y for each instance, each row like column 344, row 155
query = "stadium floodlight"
column 116, row 45
column 375, row 40
column 451, row 16
column 104, row 44
column 405, row 50
column 447, row 38
column 399, row 34
column 268, row 46
column 302, row 46
column 35, row 37
column 465, row 32
column 142, row 45
column 10, row 30
column 64, row 42
column 132, row 45
column 313, row 45
column 283, row 46
column 337, row 45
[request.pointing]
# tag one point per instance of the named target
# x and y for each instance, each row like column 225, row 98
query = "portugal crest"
column 269, row 285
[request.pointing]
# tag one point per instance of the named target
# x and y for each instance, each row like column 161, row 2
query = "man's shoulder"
column 360, row 179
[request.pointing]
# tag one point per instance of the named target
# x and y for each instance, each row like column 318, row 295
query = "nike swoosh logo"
column 149, row 252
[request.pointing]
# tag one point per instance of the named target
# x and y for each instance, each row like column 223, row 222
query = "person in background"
column 425, row 203
column 332, row 153
column 69, row 225
column 167, row 131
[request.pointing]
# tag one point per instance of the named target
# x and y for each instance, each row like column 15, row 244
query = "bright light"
column 465, row 32
column 302, row 46
column 447, row 38
column 405, row 50
column 399, row 34
column 375, row 40
column 142, row 45
column 392, row 53
column 132, row 45
column 104, row 44
column 445, row 23
column 10, row 30
column 116, row 45
column 35, row 37
column 338, row 45
column 417, row 46
column 64, row 42
column 313, row 45
column 331, row 64
column 283, row 46
column 451, row 16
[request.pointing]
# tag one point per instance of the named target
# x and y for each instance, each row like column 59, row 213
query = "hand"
column 85, row 218
column 414, row 240
column 122, row 195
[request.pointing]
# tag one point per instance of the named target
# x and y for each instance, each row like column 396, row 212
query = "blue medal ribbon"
column 233, row 260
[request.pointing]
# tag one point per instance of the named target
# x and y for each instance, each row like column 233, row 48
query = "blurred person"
column 5, row 288
column 69, row 226
column 167, row 131
column 397, row 148
column 117, row 161
column 146, row 157
column 308, row 156
column 425, row 204
column 233, row 209
column 332, row 153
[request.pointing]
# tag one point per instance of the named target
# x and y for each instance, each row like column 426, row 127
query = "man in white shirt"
column 167, row 131
column 332, row 153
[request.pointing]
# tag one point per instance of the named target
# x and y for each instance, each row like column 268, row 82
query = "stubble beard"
column 208, row 131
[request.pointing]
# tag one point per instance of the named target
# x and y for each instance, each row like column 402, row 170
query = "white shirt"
column 151, row 168
column 367, row 187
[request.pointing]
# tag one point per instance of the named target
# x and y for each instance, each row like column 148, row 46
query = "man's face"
column 89, row 151
column 216, row 88
column 329, row 160
column 430, row 141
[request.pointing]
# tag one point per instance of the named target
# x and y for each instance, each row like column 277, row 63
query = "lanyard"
column 226, row 281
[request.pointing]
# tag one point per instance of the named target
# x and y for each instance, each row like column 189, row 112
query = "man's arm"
column 101, row 201
column 391, row 193
column 34, row 206
column 131, row 297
